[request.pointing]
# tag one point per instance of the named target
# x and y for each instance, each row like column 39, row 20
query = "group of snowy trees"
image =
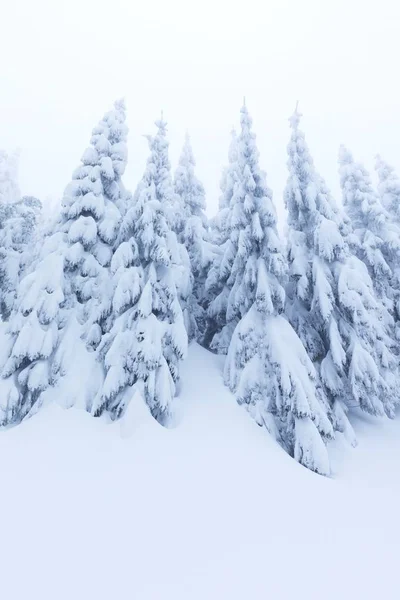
column 309, row 324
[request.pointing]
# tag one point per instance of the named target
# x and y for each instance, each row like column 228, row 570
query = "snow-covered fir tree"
column 267, row 365
column 91, row 216
column 219, row 233
column 143, row 350
column 331, row 301
column 377, row 238
column 163, row 178
column 195, row 238
column 18, row 222
column 72, row 272
column 388, row 187
column 9, row 189
column 215, row 285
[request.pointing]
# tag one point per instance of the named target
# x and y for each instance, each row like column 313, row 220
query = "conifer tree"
column 377, row 239
column 18, row 221
column 215, row 285
column 9, row 189
column 388, row 188
column 218, row 224
column 194, row 236
column 70, row 278
column 331, row 301
column 148, row 340
column 267, row 365
column 91, row 217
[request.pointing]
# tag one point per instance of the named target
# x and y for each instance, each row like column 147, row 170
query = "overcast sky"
column 63, row 63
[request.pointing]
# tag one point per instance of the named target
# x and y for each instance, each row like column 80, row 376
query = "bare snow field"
column 212, row 509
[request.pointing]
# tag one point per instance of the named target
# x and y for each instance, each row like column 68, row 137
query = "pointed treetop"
column 120, row 104
column 384, row 169
column 294, row 120
column 186, row 156
column 161, row 124
column 245, row 119
column 345, row 156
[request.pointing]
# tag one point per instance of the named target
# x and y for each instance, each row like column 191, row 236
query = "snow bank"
column 212, row 509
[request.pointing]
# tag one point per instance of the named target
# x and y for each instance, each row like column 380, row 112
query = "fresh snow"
column 212, row 509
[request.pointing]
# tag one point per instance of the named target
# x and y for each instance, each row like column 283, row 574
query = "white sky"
column 63, row 63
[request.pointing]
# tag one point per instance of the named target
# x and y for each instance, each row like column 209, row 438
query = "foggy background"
column 64, row 63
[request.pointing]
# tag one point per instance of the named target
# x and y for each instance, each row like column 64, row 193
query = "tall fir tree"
column 195, row 238
column 91, row 218
column 9, row 188
column 219, row 233
column 331, row 301
column 19, row 217
column 70, row 278
column 388, row 187
column 143, row 350
column 216, row 282
column 377, row 238
column 267, row 365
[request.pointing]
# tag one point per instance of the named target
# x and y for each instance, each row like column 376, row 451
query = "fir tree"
column 331, row 301
column 71, row 272
column 215, row 285
column 9, row 189
column 91, row 217
column 377, row 239
column 218, row 230
column 267, row 365
column 194, row 237
column 388, row 188
column 148, row 340
column 18, row 222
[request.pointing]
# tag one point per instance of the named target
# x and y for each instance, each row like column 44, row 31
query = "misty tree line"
column 309, row 324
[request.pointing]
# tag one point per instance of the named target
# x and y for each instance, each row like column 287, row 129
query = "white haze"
column 64, row 63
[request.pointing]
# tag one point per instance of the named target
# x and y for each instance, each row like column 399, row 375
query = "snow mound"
column 211, row 509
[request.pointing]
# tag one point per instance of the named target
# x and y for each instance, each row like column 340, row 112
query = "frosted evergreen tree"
column 219, row 233
column 331, row 301
column 388, row 187
column 72, row 272
column 172, row 203
column 91, row 217
column 18, row 223
column 9, row 189
column 194, row 237
column 215, row 285
column 377, row 238
column 163, row 179
column 143, row 350
column 267, row 365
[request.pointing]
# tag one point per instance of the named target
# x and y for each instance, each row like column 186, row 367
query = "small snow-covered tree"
column 148, row 340
column 388, row 187
column 219, row 232
column 216, row 281
column 173, row 206
column 18, row 221
column 72, row 272
column 267, row 365
column 194, row 237
column 377, row 238
column 331, row 301
column 9, row 189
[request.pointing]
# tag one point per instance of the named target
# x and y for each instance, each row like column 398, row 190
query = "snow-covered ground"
column 210, row 510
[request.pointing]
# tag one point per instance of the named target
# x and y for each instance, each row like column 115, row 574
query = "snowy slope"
column 209, row 510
